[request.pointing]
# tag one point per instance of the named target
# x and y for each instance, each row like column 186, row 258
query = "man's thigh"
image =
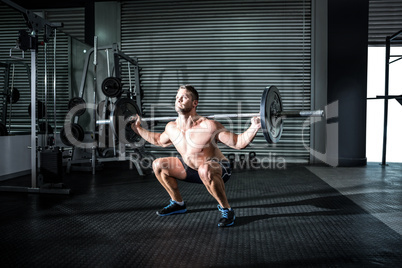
column 172, row 166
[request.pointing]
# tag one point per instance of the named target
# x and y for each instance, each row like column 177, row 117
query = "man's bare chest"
column 195, row 138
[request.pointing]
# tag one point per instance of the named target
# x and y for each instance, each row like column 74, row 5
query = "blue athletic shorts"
column 194, row 177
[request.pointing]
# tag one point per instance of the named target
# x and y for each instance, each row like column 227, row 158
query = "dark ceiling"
column 39, row 4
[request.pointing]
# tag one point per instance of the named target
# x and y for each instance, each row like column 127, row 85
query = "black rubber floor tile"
column 283, row 218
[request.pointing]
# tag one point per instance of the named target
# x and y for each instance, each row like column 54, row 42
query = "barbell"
column 271, row 114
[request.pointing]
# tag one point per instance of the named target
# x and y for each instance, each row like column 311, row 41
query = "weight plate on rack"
column 77, row 132
column 77, row 101
column 112, row 87
column 3, row 130
column 14, row 96
column 40, row 109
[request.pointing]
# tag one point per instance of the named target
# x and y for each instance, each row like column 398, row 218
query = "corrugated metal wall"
column 11, row 21
column 385, row 19
column 46, row 85
column 230, row 51
column 73, row 20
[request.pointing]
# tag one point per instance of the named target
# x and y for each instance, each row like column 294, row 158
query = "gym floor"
column 310, row 216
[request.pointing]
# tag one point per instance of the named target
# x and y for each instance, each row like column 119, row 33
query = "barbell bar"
column 271, row 114
column 171, row 118
column 317, row 113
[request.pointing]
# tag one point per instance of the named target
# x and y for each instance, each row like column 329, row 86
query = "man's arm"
column 240, row 141
column 159, row 139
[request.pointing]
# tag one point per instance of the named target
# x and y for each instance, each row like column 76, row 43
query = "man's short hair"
column 193, row 91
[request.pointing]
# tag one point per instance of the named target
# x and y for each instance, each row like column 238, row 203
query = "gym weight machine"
column 28, row 40
column 10, row 94
column 88, row 153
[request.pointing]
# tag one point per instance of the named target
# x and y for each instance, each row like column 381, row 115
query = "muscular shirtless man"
column 195, row 138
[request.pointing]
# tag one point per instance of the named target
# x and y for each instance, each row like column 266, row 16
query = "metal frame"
column 386, row 96
column 388, row 57
column 6, row 65
column 118, row 56
column 35, row 25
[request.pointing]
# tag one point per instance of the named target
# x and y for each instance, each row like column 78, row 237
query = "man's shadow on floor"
column 333, row 205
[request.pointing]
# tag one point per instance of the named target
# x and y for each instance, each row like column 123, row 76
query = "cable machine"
column 29, row 40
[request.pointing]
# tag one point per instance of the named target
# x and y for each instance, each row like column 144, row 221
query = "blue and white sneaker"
column 172, row 208
column 228, row 217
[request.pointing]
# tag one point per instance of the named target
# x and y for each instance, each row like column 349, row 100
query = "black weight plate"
column 77, row 101
column 271, row 104
column 42, row 128
column 40, row 109
column 15, row 96
column 123, row 109
column 63, row 137
column 112, row 87
column 3, row 130
column 80, row 130
column 76, row 131
column 131, row 136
